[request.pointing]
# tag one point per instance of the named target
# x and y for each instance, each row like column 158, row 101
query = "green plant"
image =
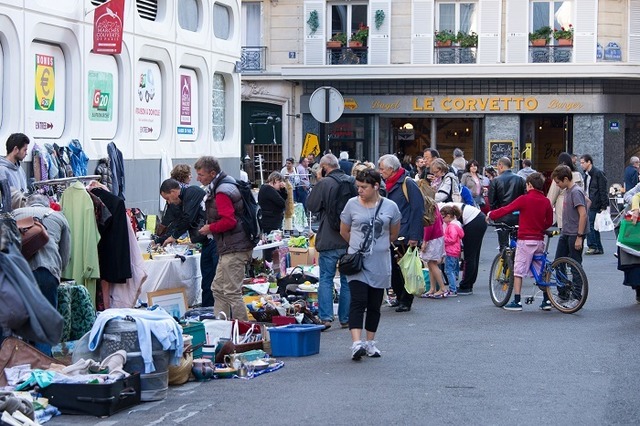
column 541, row 33
column 379, row 18
column 341, row 37
column 564, row 34
column 313, row 21
column 445, row 36
column 467, row 40
column 361, row 35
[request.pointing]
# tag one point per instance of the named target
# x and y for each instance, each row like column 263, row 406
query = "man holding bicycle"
column 536, row 215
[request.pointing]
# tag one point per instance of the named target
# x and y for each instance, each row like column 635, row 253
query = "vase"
column 443, row 43
column 334, row 44
column 565, row 42
column 539, row 42
column 354, row 43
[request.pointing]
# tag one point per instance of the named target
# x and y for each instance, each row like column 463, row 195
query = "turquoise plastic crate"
column 195, row 329
column 295, row 340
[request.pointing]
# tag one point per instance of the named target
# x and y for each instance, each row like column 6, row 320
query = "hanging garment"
column 78, row 209
column 113, row 249
column 78, row 158
column 117, row 169
column 126, row 296
column 103, row 169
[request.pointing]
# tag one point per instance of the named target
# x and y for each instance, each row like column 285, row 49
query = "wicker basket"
column 179, row 374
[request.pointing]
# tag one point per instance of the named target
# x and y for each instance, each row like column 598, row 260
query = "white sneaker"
column 358, row 350
column 372, row 351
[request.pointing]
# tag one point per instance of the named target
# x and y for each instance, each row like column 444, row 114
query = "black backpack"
column 251, row 217
column 345, row 191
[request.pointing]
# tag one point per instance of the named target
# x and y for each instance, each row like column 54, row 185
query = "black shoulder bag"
column 352, row 263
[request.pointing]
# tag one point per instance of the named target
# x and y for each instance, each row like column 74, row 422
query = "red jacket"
column 536, row 214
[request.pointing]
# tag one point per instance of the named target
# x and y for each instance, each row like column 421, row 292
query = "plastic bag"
column 411, row 267
column 603, row 222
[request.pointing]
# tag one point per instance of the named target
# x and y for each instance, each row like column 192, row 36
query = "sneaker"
column 464, row 292
column 591, row 251
column 358, row 350
column 372, row 351
column 453, row 294
column 545, row 305
column 513, row 306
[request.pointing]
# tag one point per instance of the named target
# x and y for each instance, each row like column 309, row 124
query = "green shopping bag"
column 629, row 234
column 411, row 267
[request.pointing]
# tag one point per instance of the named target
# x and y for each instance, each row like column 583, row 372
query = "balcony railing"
column 546, row 54
column 347, row 55
column 455, row 55
column 253, row 59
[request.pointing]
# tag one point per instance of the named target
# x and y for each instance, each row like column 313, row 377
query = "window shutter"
column 517, row 48
column 489, row 31
column 634, row 31
column 379, row 39
column 314, row 44
column 585, row 31
column 422, row 32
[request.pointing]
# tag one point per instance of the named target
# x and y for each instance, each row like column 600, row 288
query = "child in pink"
column 432, row 252
column 453, row 235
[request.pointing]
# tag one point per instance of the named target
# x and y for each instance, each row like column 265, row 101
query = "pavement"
column 449, row 361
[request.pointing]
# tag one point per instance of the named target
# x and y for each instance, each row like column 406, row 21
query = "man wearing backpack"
column 224, row 208
column 322, row 201
column 411, row 207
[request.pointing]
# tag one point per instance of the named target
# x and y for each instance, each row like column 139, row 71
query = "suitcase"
column 98, row 400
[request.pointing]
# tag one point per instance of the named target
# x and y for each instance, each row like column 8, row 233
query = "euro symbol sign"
column 44, row 81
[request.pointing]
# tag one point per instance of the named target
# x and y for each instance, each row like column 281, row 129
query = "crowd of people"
column 383, row 218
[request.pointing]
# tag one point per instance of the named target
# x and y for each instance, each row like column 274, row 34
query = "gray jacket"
column 15, row 174
column 54, row 256
column 319, row 198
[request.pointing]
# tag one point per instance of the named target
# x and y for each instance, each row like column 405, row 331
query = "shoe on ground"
column 452, row 294
column 394, row 303
column 465, row 292
column 426, row 295
column 513, row 306
column 327, row 325
column 372, row 351
column 599, row 251
column 403, row 308
column 592, row 251
column 358, row 350
column 344, row 325
column 545, row 305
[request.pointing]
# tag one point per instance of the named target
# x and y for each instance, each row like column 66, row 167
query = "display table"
column 173, row 273
column 257, row 250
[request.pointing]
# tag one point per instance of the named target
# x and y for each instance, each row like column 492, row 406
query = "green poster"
column 100, row 93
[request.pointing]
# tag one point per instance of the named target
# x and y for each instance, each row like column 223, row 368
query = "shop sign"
column 107, row 28
column 100, row 91
column 148, row 103
column 185, row 99
column 45, row 83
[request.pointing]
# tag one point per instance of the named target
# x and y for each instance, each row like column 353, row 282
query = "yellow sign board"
column 45, row 83
column 311, row 145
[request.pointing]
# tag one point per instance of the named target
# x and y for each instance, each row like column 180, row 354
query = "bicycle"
column 564, row 280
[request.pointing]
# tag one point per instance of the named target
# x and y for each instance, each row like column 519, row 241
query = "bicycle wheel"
column 568, row 285
column 501, row 279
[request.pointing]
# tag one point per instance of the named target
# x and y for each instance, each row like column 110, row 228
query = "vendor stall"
column 174, row 272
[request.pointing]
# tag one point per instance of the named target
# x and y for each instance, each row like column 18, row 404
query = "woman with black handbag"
column 369, row 223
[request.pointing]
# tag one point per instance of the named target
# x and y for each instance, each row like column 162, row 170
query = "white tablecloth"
column 173, row 273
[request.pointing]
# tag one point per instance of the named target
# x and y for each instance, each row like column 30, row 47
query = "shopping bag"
column 411, row 267
column 217, row 329
column 629, row 234
column 603, row 222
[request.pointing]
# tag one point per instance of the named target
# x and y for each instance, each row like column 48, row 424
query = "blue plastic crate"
column 295, row 340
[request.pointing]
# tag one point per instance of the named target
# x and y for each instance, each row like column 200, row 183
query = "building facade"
column 523, row 78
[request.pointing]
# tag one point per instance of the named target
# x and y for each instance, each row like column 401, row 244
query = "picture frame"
column 172, row 300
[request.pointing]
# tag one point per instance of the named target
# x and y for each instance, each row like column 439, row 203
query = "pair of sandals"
column 436, row 295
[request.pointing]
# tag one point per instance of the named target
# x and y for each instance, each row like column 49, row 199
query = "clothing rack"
column 66, row 181
column 55, row 187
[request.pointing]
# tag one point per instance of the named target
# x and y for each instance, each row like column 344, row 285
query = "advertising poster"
column 100, row 92
column 45, row 83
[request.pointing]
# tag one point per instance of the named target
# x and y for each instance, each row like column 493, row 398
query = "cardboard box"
column 302, row 256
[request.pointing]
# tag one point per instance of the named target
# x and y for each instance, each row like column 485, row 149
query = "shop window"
column 221, row 21
column 148, row 101
column 347, row 18
column 189, row 14
column 147, row 9
column 552, row 14
column 218, row 101
column 457, row 17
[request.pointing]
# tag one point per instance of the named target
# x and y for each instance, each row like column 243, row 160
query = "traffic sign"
column 326, row 104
